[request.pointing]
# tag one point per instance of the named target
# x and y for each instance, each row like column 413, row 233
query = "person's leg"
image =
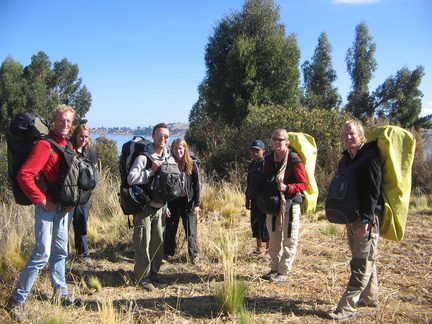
column 275, row 246
column 156, row 245
column 190, row 225
column 59, row 248
column 80, row 228
column 141, row 240
column 40, row 255
column 290, row 239
column 171, row 229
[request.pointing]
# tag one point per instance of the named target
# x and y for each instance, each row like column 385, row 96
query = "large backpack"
column 133, row 199
column 343, row 202
column 77, row 177
column 396, row 149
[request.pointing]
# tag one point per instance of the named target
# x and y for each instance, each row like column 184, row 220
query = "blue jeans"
column 51, row 241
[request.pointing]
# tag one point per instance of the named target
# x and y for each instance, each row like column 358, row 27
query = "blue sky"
column 143, row 60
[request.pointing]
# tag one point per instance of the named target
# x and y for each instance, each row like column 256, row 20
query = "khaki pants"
column 283, row 244
column 363, row 283
column 148, row 242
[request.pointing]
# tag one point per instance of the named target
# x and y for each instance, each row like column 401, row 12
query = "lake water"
column 121, row 139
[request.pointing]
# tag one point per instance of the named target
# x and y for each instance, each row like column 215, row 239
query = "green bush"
column 107, row 156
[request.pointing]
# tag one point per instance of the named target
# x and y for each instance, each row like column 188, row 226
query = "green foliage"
column 5, row 191
column 318, row 78
column 361, row 65
column 38, row 88
column 107, row 156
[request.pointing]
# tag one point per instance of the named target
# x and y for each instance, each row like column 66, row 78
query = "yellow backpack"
column 396, row 146
column 305, row 146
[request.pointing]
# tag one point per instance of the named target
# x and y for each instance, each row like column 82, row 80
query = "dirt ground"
column 318, row 279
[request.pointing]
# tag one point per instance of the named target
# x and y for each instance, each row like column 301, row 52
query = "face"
column 351, row 138
column 160, row 137
column 178, row 151
column 62, row 123
column 82, row 138
column 257, row 154
column 279, row 142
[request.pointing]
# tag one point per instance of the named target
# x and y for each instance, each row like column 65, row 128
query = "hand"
column 48, row 205
column 156, row 164
column 67, row 209
column 281, row 186
column 196, row 210
column 362, row 229
column 168, row 213
column 248, row 207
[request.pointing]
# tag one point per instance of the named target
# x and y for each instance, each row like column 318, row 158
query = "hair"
column 76, row 131
column 358, row 125
column 185, row 165
column 160, row 125
column 282, row 132
column 64, row 108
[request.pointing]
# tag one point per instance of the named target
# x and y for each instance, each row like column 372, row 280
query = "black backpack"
column 133, row 199
column 167, row 184
column 343, row 201
column 269, row 197
column 77, row 176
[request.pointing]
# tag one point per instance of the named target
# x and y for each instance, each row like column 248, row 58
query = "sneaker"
column 195, row 260
column 278, row 278
column 338, row 315
column 269, row 275
column 148, row 286
column 15, row 310
column 87, row 261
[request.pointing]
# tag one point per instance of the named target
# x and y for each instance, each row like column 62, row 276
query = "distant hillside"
column 176, row 129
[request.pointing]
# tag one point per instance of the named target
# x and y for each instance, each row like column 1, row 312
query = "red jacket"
column 45, row 158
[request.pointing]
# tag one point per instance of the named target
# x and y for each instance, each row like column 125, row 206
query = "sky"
column 143, row 60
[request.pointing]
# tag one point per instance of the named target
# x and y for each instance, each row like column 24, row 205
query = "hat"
column 258, row 145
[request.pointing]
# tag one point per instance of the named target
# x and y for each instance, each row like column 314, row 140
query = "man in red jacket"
column 51, row 219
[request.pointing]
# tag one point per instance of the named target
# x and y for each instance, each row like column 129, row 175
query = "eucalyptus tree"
column 361, row 65
column 318, row 76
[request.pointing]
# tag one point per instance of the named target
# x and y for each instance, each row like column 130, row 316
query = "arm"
column 196, row 187
column 138, row 173
column 300, row 184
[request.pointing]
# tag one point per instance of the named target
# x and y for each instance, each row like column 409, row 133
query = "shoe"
column 269, row 275
column 279, row 278
column 165, row 259
column 195, row 260
column 87, row 261
column 65, row 301
column 15, row 310
column 338, row 315
column 362, row 303
column 148, row 286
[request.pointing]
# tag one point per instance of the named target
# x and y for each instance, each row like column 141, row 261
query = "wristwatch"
column 365, row 221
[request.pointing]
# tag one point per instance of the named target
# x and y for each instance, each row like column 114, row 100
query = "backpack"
column 396, row 149
column 269, row 197
column 133, row 199
column 343, row 202
column 77, row 177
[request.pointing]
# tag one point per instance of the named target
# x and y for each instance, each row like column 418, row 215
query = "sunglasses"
column 278, row 139
column 160, row 135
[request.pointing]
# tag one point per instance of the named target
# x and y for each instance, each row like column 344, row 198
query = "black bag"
column 167, row 184
column 133, row 199
column 343, row 202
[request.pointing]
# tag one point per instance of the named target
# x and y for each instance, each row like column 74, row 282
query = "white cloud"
column 356, row 1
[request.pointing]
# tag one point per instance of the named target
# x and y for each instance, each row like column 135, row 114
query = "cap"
column 258, row 145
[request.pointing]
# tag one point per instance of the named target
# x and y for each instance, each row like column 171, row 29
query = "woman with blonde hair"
column 290, row 179
column 186, row 206
column 81, row 142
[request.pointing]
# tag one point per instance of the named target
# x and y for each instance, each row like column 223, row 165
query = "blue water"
column 121, row 139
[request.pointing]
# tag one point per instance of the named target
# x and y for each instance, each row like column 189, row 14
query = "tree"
column 12, row 98
column 399, row 98
column 249, row 60
column 318, row 77
column 361, row 65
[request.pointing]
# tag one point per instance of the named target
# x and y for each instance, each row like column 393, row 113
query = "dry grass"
column 318, row 279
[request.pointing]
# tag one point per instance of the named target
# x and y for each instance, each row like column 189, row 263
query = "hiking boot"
column 269, row 275
column 65, row 301
column 278, row 278
column 362, row 303
column 148, row 286
column 158, row 280
column 339, row 315
column 15, row 310
column 87, row 261
column 195, row 260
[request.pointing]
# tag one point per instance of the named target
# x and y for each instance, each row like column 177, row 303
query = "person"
column 363, row 233
column 149, row 224
column 51, row 218
column 284, row 229
column 81, row 142
column 257, row 217
column 187, row 206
